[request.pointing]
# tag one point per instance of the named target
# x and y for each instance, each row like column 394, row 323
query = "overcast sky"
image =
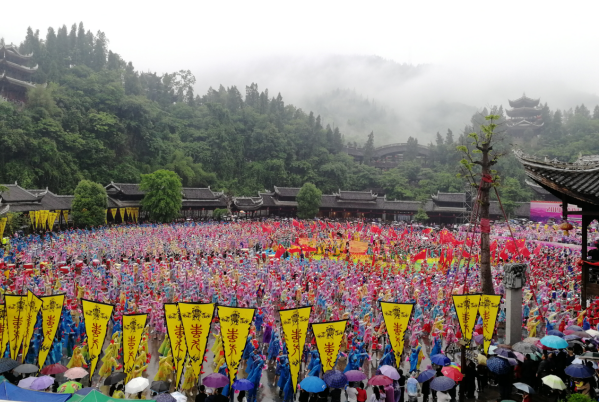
column 543, row 47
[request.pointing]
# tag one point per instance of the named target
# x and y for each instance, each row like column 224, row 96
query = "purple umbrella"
column 355, row 375
column 479, row 338
column 42, row 383
column 243, row 385
column 165, row 398
column 215, row 380
column 390, row 372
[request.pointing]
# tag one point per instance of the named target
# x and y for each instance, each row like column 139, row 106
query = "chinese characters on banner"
column 196, row 319
column 133, row 326
column 51, row 313
column 34, row 304
column 176, row 334
column 295, row 327
column 3, row 330
column 16, row 310
column 397, row 317
column 328, row 341
column 235, row 325
column 466, row 307
column 96, row 317
column 488, row 310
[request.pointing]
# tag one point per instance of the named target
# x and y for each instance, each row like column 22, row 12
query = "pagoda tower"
column 524, row 117
column 15, row 76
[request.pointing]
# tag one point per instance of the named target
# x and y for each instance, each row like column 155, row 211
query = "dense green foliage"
column 100, row 119
column 308, row 201
column 163, row 195
column 89, row 204
column 219, row 213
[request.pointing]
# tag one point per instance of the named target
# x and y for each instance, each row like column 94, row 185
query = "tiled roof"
column 17, row 193
column 449, row 197
column 287, row 191
column 126, row 188
column 356, row 196
column 199, row 194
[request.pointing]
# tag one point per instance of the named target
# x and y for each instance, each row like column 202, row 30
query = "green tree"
column 163, row 195
column 219, row 213
column 308, row 201
column 89, row 204
column 421, row 215
column 368, row 149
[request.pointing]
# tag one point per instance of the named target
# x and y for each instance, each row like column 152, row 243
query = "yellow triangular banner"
column 176, row 334
column 328, row 341
column 235, row 325
column 133, row 326
column 38, row 219
column 397, row 318
column 113, row 212
column 488, row 310
column 196, row 319
column 65, row 215
column 122, row 212
column 32, row 218
column 96, row 322
column 3, row 330
column 51, row 314
column 295, row 327
column 466, row 307
column 2, row 226
column 34, row 304
column 16, row 312
column 52, row 219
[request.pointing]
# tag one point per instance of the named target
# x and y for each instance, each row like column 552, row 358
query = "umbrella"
column 390, row 372
column 160, row 386
column 555, row 332
column 575, row 328
column 313, row 384
column 380, row 380
column 519, row 356
column 7, row 365
column 524, row 347
column 69, row 387
column 165, row 398
column 355, row 375
column 571, row 337
column 492, row 349
column 481, row 359
column 531, row 339
column 442, row 384
column 27, row 369
column 572, row 343
column 498, row 366
column 479, row 338
column 426, row 375
column 136, row 385
column 75, row 372
column 553, row 381
column 42, row 383
column 511, row 361
column 590, row 356
column 554, row 342
column 505, row 353
column 115, row 378
column 84, row 391
column 243, row 385
column 26, row 382
column 440, row 360
column 56, row 368
column 524, row 387
column 579, row 371
column 335, row 379
column 215, row 380
column 452, row 373
column 504, row 346
column 592, row 332
column 179, row 397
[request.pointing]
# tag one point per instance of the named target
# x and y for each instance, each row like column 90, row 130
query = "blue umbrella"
column 313, row 384
column 243, row 385
column 440, row 360
column 426, row 375
column 555, row 342
column 555, row 332
column 505, row 353
column 84, row 391
column 498, row 365
column 442, row 384
column 579, row 371
column 7, row 364
column 335, row 379
column 575, row 328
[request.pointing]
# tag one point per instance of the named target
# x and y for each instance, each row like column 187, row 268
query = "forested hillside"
column 100, row 119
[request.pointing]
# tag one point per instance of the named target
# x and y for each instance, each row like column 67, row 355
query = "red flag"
column 280, row 251
column 392, row 233
column 525, row 252
column 295, row 223
column 405, row 232
column 537, row 250
column 427, row 231
column 331, row 225
column 449, row 258
column 442, row 258
column 375, row 229
column 504, row 255
column 277, row 224
column 301, row 225
column 420, row 256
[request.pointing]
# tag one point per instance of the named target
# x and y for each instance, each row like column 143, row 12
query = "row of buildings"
column 199, row 203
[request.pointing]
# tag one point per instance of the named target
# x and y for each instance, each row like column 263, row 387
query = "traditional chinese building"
column 15, row 75
column 524, row 117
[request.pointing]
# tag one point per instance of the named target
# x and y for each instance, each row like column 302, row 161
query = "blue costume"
column 414, row 358
column 274, row 347
column 436, row 347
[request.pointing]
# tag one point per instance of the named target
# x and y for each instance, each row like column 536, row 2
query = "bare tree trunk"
column 486, row 278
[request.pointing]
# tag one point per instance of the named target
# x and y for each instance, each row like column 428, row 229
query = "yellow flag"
column 196, row 319
column 96, row 316
column 38, row 218
column 295, row 327
column 328, row 341
column 2, row 226
column 105, row 216
column 51, row 219
column 397, row 317
column 133, row 326
column 136, row 214
column 176, row 334
column 16, row 312
column 65, row 214
column 113, row 212
column 235, row 325
column 32, row 218
column 34, row 304
column 51, row 313
column 488, row 310
column 122, row 212
column 466, row 307
column 3, row 329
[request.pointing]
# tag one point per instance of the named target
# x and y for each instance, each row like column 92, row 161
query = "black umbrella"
column 115, row 378
column 27, row 369
column 7, row 365
column 160, row 386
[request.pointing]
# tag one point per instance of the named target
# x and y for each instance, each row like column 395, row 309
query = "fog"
column 430, row 64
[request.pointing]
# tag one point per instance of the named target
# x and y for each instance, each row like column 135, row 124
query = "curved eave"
column 524, row 124
column 12, row 50
column 4, row 209
column 14, row 81
column 19, row 67
column 523, row 112
column 524, row 101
